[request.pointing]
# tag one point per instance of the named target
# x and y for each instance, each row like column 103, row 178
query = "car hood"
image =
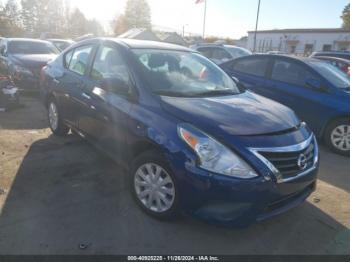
column 242, row 114
column 37, row 60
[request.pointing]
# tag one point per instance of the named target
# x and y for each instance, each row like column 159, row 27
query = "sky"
column 226, row 18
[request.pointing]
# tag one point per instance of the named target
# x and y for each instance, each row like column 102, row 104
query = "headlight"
column 214, row 156
column 22, row 70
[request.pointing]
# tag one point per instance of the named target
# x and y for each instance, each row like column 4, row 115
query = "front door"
column 107, row 103
column 287, row 85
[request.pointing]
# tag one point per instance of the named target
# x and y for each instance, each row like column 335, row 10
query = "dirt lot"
column 58, row 193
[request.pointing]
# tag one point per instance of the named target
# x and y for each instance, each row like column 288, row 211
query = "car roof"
column 333, row 58
column 26, row 40
column 291, row 57
column 60, row 40
column 138, row 44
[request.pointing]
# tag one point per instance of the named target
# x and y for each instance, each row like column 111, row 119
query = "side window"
column 220, row 54
column 110, row 66
column 206, row 51
column 252, row 66
column 67, row 58
column 79, row 61
column 290, row 72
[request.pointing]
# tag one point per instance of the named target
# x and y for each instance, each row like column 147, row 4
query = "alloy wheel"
column 154, row 187
column 340, row 137
column 53, row 116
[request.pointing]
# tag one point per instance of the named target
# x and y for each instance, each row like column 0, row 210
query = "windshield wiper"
column 216, row 93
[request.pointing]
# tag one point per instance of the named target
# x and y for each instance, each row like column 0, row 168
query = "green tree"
column 137, row 14
column 346, row 17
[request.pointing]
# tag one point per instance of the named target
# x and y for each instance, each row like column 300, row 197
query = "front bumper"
column 230, row 201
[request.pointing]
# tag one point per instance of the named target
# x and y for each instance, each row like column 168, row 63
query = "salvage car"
column 22, row 59
column 191, row 140
column 61, row 44
column 317, row 91
column 220, row 53
column 342, row 64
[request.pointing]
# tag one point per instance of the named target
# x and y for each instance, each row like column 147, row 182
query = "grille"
column 290, row 164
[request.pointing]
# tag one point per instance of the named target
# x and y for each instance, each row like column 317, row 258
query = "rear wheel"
column 56, row 125
column 337, row 136
column 154, row 186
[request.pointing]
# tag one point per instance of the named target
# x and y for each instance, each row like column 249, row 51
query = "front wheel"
column 337, row 136
column 56, row 125
column 154, row 186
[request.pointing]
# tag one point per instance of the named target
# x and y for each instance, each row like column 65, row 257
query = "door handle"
column 86, row 96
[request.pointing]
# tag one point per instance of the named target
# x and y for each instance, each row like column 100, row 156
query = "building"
column 300, row 41
column 140, row 34
column 172, row 38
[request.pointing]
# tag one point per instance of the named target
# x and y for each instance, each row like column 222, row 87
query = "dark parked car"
column 61, row 44
column 317, row 91
column 220, row 53
column 191, row 140
column 22, row 59
column 339, row 54
column 341, row 63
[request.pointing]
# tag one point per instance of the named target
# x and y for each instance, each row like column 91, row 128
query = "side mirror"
column 116, row 86
column 314, row 84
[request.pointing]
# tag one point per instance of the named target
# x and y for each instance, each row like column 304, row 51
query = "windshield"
column 237, row 52
column 333, row 74
column 28, row 47
column 183, row 74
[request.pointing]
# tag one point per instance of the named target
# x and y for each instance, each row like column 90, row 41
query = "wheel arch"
column 331, row 121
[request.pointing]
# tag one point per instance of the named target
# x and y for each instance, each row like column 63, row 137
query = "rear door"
column 251, row 71
column 287, row 85
column 107, row 103
column 72, row 82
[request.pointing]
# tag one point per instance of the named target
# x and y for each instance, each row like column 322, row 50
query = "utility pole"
column 256, row 26
column 205, row 15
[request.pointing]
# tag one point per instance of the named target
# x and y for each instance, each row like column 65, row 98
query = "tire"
column 337, row 136
column 56, row 124
column 164, row 203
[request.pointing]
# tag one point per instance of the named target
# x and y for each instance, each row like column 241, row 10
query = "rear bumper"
column 27, row 83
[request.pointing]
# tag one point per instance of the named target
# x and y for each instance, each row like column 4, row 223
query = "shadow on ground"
column 66, row 193
column 18, row 118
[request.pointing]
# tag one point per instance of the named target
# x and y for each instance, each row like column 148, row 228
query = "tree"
column 95, row 28
column 12, row 11
column 346, row 17
column 120, row 25
column 10, row 20
column 77, row 24
column 137, row 14
column 30, row 14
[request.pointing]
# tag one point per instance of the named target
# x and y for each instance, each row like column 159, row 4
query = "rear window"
column 333, row 74
column 29, row 47
column 252, row 66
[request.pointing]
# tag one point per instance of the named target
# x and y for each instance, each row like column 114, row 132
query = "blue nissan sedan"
column 191, row 139
column 317, row 91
